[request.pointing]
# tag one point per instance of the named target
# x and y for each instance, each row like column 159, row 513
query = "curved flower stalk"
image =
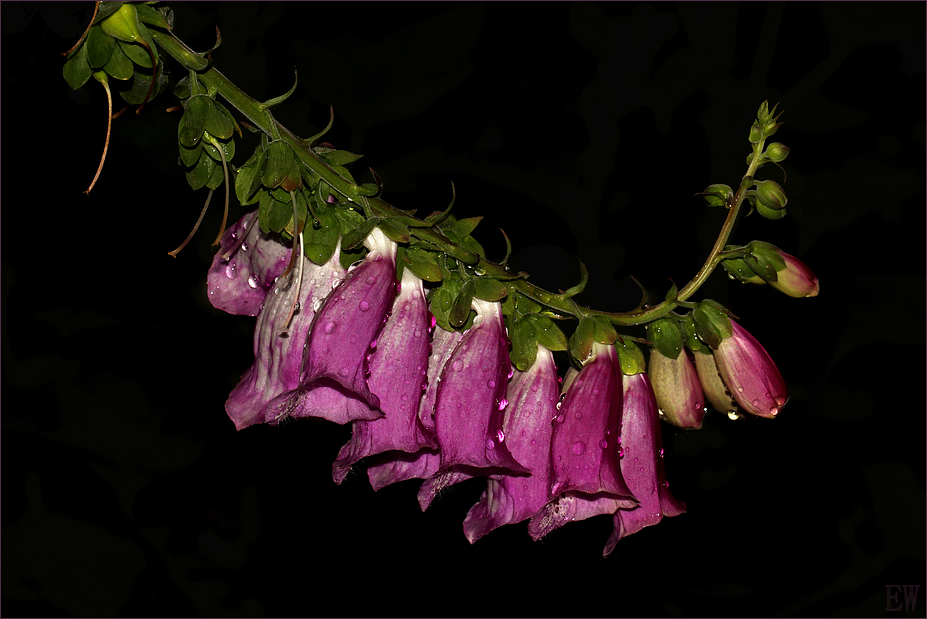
column 333, row 379
column 395, row 466
column 750, row 374
column 586, row 479
column 677, row 389
column 532, row 405
column 278, row 350
column 398, row 377
column 245, row 268
column 642, row 463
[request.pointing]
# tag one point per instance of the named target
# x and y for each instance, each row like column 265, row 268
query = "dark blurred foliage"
column 583, row 131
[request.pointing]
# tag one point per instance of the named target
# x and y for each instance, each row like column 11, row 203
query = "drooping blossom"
column 397, row 377
column 469, row 406
column 333, row 378
column 586, row 479
column 245, row 267
column 395, row 466
column 677, row 389
column 532, row 405
column 750, row 374
column 642, row 463
column 278, row 347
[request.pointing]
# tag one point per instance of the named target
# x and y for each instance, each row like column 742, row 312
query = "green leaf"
column 549, row 334
column 356, row 237
column 199, row 174
column 279, row 160
column 338, row 157
column 248, row 179
column 394, row 230
column 217, row 177
column 77, row 69
column 582, row 339
column 119, row 65
column 630, row 357
column 460, row 310
column 189, row 156
column 193, row 122
column 278, row 100
column 666, row 337
column 463, row 227
column 219, row 124
column 273, row 215
column 525, row 305
column 106, row 9
column 489, row 289
column 427, row 271
column 323, row 239
column 524, row 344
column 138, row 92
column 604, row 331
column 228, row 147
column 349, row 218
column 148, row 15
column 99, row 47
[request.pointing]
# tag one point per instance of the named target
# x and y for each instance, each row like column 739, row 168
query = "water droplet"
column 740, row 389
column 756, row 402
column 733, row 415
column 661, row 452
column 511, row 373
column 578, row 415
column 503, row 403
column 244, row 246
column 491, row 384
column 534, row 388
column 373, row 344
column 579, row 448
column 364, row 306
column 330, row 327
column 490, row 444
column 371, row 280
column 500, row 435
column 603, row 444
column 558, row 405
column 534, row 442
column 457, row 365
column 595, row 392
column 621, row 453
column 252, row 281
column 405, row 397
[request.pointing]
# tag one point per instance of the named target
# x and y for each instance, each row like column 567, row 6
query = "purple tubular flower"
column 469, row 402
column 750, row 374
column 796, row 279
column 584, row 449
column 532, row 404
column 677, row 388
column 394, row 466
column 245, row 267
column 333, row 379
column 642, row 463
column 278, row 352
column 397, row 376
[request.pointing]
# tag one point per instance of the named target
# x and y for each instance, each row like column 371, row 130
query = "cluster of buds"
column 360, row 346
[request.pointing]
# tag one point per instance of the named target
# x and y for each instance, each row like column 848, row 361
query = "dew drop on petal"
column 491, row 384
column 603, row 444
column 364, row 306
column 490, row 444
column 330, row 327
column 500, row 435
column 252, row 281
column 457, row 365
column 579, row 448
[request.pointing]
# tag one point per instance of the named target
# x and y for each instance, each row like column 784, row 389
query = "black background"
column 582, row 131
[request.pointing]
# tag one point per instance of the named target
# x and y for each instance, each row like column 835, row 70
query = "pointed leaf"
column 148, row 15
column 549, row 334
column 119, row 66
column 357, row 236
column 77, row 69
column 279, row 159
column 460, row 311
column 489, row 289
column 99, row 47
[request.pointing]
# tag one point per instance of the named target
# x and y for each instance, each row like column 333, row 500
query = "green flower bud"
column 756, row 134
column 717, row 195
column 123, row 24
column 768, row 213
column 771, row 195
column 777, row 152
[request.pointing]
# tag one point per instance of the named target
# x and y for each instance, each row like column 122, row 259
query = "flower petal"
column 642, row 463
column 245, row 267
column 468, row 408
column 278, row 354
column 344, row 328
column 573, row 506
column 584, row 449
column 532, row 405
column 397, row 377
column 677, row 388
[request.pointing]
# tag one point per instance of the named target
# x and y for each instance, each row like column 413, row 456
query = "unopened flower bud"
column 750, row 374
column 771, row 195
column 677, row 389
column 756, row 134
column 718, row 195
column 777, row 152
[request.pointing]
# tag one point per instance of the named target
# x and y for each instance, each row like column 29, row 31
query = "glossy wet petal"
column 245, row 267
column 750, row 374
column 278, row 352
column 642, row 463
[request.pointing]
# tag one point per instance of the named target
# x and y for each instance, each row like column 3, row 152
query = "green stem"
column 258, row 114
